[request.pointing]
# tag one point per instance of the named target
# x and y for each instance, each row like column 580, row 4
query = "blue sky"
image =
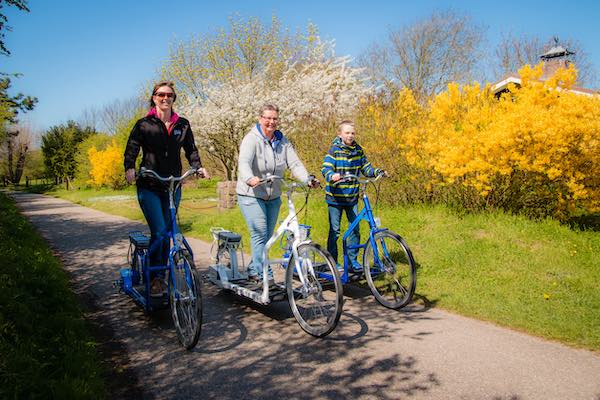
column 77, row 54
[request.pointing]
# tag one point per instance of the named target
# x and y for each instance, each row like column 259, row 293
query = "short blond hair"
column 345, row 122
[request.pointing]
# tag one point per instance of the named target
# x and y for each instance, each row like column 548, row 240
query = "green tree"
column 21, row 5
column 12, row 149
column 60, row 146
column 34, row 166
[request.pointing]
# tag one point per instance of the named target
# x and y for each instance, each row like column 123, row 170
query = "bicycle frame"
column 228, row 277
column 176, row 243
column 365, row 214
column 289, row 224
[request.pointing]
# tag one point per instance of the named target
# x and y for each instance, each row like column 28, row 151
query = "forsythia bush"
column 540, row 136
column 382, row 127
column 533, row 150
column 107, row 166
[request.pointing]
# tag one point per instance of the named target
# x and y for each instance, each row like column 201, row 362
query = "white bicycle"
column 306, row 274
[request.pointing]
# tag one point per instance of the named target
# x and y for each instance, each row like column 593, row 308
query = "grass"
column 539, row 277
column 45, row 345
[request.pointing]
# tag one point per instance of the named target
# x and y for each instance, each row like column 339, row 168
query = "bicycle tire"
column 317, row 310
column 185, row 299
column 392, row 279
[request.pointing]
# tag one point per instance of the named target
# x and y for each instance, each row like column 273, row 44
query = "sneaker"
column 254, row 278
column 158, row 287
column 356, row 266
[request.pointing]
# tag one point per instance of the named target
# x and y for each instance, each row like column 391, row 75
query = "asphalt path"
column 248, row 351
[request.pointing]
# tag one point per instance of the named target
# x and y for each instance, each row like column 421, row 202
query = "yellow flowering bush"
column 535, row 149
column 382, row 126
column 107, row 166
column 540, row 136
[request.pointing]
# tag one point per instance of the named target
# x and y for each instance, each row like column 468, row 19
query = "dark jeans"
column 335, row 217
column 155, row 206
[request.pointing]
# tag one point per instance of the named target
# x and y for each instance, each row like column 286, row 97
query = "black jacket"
column 161, row 150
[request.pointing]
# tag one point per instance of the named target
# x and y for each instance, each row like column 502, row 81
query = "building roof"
column 502, row 86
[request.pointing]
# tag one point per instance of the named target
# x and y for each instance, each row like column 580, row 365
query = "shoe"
column 356, row 267
column 254, row 278
column 158, row 287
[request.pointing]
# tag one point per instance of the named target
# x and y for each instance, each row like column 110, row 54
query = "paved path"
column 254, row 352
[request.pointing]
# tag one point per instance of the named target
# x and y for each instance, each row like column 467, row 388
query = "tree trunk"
column 9, row 162
column 20, row 164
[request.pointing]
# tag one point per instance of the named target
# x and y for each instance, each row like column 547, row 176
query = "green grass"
column 539, row 277
column 45, row 345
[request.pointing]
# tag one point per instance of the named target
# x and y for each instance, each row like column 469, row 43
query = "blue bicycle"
column 183, row 285
column 388, row 263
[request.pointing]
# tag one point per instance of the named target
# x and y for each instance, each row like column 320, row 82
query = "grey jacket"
column 259, row 158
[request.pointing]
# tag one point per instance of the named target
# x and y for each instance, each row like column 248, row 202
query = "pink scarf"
column 174, row 118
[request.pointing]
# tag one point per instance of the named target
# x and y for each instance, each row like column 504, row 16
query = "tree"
column 21, row 5
column 225, row 77
column 512, row 53
column 15, row 148
column 59, row 146
column 426, row 56
column 245, row 49
column 13, row 151
column 305, row 94
column 108, row 117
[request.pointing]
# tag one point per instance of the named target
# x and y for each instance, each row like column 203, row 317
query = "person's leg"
column 354, row 237
column 335, row 216
column 272, row 212
column 255, row 214
column 166, row 211
column 151, row 205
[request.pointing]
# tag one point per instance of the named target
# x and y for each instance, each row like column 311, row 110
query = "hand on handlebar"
column 313, row 182
column 254, row 181
column 202, row 173
column 335, row 177
column 130, row 175
column 383, row 173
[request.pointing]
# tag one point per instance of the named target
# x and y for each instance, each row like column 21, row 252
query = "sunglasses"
column 163, row 94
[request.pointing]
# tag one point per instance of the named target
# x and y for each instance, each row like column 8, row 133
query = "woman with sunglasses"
column 161, row 135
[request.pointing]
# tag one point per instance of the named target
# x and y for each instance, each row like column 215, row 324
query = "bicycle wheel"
column 390, row 270
column 317, row 302
column 185, row 299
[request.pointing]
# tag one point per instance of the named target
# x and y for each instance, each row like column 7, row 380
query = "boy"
column 344, row 156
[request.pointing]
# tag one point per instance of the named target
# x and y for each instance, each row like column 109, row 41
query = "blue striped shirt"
column 344, row 159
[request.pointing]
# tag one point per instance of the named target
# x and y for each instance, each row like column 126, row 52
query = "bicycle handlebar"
column 353, row 177
column 145, row 171
column 271, row 178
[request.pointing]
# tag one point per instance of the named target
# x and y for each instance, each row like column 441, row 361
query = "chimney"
column 555, row 58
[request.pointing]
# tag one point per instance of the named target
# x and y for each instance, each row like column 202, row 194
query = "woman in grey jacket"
column 264, row 150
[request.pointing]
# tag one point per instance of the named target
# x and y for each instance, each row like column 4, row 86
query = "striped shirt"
column 344, row 159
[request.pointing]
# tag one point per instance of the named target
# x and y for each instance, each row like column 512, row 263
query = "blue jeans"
column 155, row 206
column 335, row 217
column 261, row 218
